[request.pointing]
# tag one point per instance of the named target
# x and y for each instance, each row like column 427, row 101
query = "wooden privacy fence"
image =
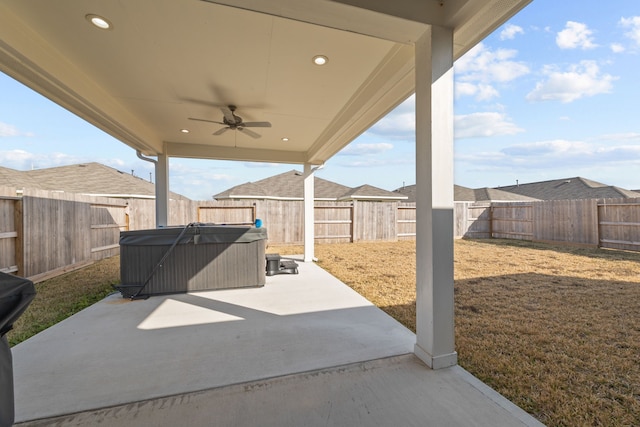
column 41, row 237
column 47, row 233
column 607, row 223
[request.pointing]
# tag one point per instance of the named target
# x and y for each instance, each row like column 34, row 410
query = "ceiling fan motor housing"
column 238, row 121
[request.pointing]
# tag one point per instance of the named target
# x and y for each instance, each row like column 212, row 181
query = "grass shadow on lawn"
column 564, row 349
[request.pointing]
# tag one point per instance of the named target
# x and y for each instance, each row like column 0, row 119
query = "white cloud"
column 617, row 48
column 580, row 80
column 17, row 158
column 260, row 165
column 366, row 149
column 629, row 136
column 399, row 123
column 633, row 24
column 545, row 148
column 510, row 32
column 10, row 130
column 480, row 68
column 24, row 160
column 484, row 125
column 371, row 162
column 575, row 35
column 396, row 123
column 482, row 92
column 560, row 157
column 465, row 89
column 481, row 64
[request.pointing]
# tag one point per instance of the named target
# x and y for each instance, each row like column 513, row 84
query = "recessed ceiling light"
column 99, row 21
column 320, row 59
column 184, row 130
column 285, row 139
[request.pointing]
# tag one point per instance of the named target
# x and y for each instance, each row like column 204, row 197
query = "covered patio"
column 303, row 350
column 238, row 80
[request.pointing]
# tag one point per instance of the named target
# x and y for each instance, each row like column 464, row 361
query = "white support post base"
column 438, row 362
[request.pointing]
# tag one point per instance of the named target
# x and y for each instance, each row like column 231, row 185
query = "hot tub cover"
column 198, row 234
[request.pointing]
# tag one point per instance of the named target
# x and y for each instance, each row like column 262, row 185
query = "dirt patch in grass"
column 554, row 329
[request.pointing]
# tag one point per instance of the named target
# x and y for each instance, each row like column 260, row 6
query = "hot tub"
column 196, row 258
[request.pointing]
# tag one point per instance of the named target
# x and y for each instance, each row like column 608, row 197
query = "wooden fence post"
column 598, row 231
column 18, row 218
column 491, row 221
column 353, row 221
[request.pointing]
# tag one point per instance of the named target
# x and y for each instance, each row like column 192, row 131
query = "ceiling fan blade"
column 228, row 114
column 221, row 131
column 256, row 124
column 250, row 133
column 204, row 120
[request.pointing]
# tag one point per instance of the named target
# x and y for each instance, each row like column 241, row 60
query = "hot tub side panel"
column 194, row 267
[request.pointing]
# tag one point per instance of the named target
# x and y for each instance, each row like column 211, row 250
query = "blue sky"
column 553, row 93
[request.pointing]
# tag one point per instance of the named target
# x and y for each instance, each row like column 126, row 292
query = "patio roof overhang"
column 165, row 61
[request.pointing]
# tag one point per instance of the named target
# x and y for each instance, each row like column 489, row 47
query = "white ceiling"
column 165, row 61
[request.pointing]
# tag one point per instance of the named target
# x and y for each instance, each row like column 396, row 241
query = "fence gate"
column 619, row 225
column 227, row 215
column 512, row 221
column 107, row 220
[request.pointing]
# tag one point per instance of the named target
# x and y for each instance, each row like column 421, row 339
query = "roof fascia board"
column 48, row 73
column 359, row 17
column 426, row 12
column 200, row 151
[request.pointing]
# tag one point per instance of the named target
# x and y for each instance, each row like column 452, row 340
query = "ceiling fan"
column 234, row 122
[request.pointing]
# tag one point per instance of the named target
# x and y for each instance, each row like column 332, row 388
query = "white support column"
column 309, row 218
column 435, row 343
column 162, row 191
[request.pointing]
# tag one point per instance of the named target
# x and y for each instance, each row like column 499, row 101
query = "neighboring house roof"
column 570, row 188
column 373, row 193
column 290, row 186
column 486, row 194
column 464, row 194
column 92, row 179
column 18, row 179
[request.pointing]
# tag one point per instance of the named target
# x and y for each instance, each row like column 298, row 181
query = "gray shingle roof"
column 465, row 194
column 18, row 179
column 290, row 185
column 367, row 191
column 88, row 178
column 486, row 194
column 570, row 188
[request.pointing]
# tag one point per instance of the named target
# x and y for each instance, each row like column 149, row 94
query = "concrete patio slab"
column 303, row 350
